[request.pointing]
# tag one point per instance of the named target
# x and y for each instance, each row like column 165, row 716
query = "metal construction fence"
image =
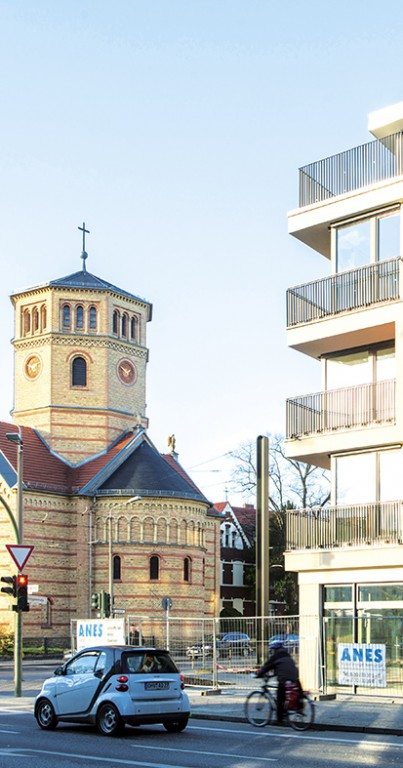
column 225, row 652
column 222, row 651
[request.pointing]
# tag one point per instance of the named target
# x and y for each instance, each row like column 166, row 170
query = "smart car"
column 114, row 686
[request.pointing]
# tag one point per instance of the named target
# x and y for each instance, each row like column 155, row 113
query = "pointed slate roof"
column 86, row 280
column 143, row 471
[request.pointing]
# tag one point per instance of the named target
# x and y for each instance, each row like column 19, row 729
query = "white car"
column 114, row 686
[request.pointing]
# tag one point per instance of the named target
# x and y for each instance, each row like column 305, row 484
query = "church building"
column 102, row 508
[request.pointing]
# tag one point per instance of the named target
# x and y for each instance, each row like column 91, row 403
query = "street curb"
column 314, row 727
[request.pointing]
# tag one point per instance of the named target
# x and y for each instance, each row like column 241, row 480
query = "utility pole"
column 262, row 543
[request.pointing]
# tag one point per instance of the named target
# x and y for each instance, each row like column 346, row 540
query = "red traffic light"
column 22, row 580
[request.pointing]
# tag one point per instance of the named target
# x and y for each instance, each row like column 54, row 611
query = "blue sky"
column 175, row 130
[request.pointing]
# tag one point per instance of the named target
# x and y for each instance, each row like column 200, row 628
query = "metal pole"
column 110, row 560
column 262, row 542
column 18, row 615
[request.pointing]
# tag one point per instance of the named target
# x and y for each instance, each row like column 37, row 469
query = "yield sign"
column 20, row 554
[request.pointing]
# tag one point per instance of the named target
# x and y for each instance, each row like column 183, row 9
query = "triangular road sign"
column 20, row 554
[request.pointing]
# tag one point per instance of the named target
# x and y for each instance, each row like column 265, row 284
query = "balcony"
column 351, row 170
column 355, row 525
column 340, row 409
column 346, row 291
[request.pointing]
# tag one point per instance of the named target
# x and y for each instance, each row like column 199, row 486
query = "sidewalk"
column 347, row 713
column 378, row 715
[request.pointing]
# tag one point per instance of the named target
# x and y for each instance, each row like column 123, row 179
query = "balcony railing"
column 345, row 526
column 353, row 169
column 335, row 409
column 354, row 289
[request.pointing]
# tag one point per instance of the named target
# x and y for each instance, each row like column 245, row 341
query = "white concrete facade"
column 350, row 558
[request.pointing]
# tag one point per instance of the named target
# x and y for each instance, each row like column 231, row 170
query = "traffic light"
column 106, row 604
column 22, row 592
column 95, row 601
column 12, row 589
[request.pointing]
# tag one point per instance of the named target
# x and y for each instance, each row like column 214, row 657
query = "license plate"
column 156, row 685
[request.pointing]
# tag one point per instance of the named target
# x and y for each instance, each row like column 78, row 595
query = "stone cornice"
column 93, row 341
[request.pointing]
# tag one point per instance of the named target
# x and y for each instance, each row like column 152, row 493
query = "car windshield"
column 140, row 662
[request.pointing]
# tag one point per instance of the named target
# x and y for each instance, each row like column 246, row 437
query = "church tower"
column 80, row 359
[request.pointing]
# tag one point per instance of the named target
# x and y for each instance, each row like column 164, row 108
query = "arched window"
column 66, row 316
column 133, row 328
column 115, row 322
column 124, row 325
column 203, row 571
column 154, row 568
column 43, row 318
column 79, row 317
column 79, row 372
column 93, row 319
column 117, row 568
column 35, row 319
column 186, row 569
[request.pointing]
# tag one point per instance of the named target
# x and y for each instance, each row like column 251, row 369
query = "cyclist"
column 284, row 668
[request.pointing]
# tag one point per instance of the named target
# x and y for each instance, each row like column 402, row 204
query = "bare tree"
column 292, row 484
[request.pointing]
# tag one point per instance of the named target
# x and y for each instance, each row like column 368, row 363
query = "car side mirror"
column 99, row 673
column 60, row 671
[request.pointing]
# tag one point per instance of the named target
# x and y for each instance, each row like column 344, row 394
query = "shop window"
column 79, row 372
column 154, row 568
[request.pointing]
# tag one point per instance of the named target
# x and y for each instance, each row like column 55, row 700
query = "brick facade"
column 78, row 437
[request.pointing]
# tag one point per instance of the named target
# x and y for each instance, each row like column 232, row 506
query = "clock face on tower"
column 127, row 372
column 33, row 366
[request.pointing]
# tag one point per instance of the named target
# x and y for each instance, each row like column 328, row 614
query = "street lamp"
column 110, row 555
column 16, row 437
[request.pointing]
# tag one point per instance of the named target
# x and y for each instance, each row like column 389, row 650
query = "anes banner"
column 362, row 664
column 100, row 632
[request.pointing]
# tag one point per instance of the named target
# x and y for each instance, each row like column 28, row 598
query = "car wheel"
column 175, row 726
column 45, row 715
column 109, row 722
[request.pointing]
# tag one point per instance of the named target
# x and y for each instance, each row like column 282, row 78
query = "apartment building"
column 349, row 555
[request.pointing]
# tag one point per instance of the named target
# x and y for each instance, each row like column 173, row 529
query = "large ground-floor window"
column 364, row 613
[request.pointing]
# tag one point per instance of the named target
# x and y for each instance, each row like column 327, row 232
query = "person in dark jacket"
column 284, row 668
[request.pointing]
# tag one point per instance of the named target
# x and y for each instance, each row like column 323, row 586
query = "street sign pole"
column 16, row 437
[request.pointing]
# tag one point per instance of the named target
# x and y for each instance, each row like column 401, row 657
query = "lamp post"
column 16, row 437
column 110, row 542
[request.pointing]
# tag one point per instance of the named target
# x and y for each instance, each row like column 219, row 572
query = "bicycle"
column 260, row 705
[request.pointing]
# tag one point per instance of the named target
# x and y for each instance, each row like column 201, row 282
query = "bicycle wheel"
column 258, row 709
column 302, row 719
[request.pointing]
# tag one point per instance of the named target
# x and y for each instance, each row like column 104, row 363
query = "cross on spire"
column 84, row 254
